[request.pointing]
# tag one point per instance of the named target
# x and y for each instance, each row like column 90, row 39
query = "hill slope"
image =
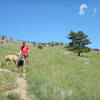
column 54, row 74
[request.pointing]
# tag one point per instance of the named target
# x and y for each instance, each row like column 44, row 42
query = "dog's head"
column 20, row 63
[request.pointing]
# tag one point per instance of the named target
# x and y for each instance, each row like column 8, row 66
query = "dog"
column 11, row 58
column 21, row 62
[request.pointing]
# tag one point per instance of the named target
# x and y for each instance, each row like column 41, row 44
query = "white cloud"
column 94, row 11
column 82, row 9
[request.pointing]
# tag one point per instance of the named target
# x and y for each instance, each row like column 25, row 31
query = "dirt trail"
column 5, row 70
column 21, row 88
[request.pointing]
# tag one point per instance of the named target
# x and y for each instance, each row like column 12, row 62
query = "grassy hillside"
column 54, row 74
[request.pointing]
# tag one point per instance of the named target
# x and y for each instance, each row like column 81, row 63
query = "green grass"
column 13, row 96
column 7, row 81
column 54, row 75
column 3, row 97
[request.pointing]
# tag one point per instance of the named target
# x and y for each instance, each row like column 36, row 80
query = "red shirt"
column 24, row 50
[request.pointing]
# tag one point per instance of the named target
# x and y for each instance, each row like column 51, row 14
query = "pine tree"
column 78, row 43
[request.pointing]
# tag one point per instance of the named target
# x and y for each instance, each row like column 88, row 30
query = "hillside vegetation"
column 55, row 74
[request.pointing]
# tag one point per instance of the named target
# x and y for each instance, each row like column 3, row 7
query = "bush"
column 13, row 96
column 2, row 42
column 40, row 46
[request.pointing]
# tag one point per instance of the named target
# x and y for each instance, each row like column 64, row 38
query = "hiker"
column 24, row 52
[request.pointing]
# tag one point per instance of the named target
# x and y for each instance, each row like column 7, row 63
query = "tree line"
column 78, row 43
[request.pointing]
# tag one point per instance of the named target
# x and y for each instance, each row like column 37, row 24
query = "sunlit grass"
column 68, row 76
column 7, row 81
column 52, row 74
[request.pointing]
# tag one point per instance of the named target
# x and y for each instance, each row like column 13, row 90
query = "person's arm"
column 21, row 48
column 20, row 52
column 28, row 50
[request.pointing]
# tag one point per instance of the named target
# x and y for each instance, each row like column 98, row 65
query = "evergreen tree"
column 78, row 43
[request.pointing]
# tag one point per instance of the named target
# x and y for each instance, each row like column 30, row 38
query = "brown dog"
column 11, row 58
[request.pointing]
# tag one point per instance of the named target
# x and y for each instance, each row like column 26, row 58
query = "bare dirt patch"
column 21, row 88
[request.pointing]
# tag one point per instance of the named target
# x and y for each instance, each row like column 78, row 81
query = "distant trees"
column 78, row 43
column 11, row 38
column 51, row 44
column 3, row 37
column 96, row 49
column 34, row 43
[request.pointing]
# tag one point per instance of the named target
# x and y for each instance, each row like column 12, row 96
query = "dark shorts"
column 25, row 56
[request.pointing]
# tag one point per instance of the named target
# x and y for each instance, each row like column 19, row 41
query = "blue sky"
column 50, row 20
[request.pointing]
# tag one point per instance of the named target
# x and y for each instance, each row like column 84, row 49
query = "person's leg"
column 26, row 61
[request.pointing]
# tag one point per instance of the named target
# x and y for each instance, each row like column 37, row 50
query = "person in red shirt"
column 24, row 51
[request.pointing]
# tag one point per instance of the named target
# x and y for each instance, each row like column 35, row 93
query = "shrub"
column 2, row 42
column 13, row 96
column 40, row 46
